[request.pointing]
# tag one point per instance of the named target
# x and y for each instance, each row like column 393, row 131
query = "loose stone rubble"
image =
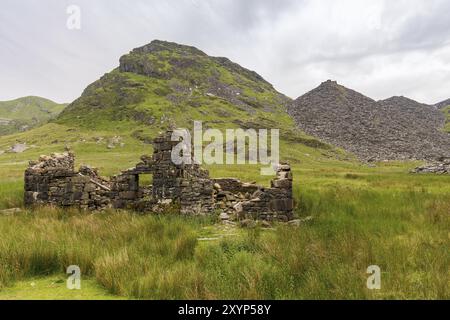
column 187, row 188
column 441, row 166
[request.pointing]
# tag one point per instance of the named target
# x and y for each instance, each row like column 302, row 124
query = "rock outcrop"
column 394, row 129
column 439, row 167
column 18, row 148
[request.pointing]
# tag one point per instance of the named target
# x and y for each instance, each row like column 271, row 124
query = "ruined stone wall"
column 166, row 175
column 249, row 200
column 275, row 203
column 53, row 180
column 187, row 184
column 196, row 196
column 49, row 173
column 126, row 191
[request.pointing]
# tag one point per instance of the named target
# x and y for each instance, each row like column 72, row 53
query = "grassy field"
column 361, row 216
column 55, row 288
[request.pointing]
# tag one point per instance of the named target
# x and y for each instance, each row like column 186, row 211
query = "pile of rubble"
column 53, row 163
column 442, row 166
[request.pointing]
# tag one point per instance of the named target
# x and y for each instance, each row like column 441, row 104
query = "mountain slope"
column 396, row 128
column 443, row 104
column 446, row 112
column 27, row 112
column 165, row 84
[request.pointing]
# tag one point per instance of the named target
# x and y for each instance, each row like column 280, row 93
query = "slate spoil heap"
column 397, row 128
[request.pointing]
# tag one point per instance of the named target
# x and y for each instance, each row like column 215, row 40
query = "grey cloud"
column 426, row 28
column 379, row 47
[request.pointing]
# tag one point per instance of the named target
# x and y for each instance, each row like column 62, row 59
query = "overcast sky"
column 378, row 47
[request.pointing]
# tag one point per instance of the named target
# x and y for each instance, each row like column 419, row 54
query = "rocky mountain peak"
column 330, row 87
column 165, row 60
column 159, row 45
column 401, row 101
column 169, row 83
column 330, row 84
column 332, row 98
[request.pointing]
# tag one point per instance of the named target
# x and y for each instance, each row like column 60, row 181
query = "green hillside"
column 25, row 113
column 164, row 84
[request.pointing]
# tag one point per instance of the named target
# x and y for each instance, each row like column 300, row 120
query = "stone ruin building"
column 53, row 180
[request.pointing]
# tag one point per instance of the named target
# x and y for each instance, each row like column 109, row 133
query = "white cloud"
column 379, row 47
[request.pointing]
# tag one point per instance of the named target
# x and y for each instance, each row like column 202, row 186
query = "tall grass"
column 11, row 194
column 159, row 257
column 406, row 235
column 119, row 249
